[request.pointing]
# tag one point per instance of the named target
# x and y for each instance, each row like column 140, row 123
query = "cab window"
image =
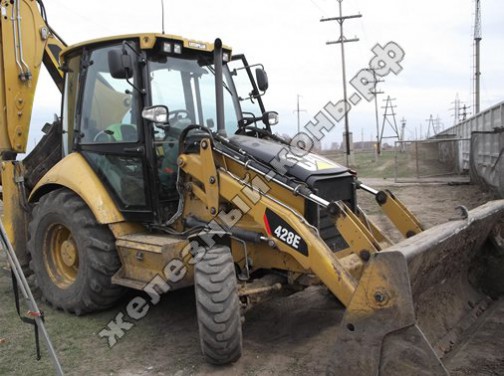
column 109, row 112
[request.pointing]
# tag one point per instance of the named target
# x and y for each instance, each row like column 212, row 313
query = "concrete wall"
column 487, row 160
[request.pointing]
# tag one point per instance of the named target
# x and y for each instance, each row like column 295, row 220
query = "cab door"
column 109, row 131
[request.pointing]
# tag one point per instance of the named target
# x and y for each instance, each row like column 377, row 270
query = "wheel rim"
column 61, row 256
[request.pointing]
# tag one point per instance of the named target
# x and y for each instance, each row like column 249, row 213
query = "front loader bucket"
column 417, row 300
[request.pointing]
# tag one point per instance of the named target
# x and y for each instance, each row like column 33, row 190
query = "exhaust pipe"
column 219, row 88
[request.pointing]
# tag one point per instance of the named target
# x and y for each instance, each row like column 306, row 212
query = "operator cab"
column 110, row 83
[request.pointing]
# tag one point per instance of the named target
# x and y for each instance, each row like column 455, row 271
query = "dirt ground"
column 291, row 335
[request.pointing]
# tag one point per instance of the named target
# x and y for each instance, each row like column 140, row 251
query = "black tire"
column 73, row 257
column 218, row 306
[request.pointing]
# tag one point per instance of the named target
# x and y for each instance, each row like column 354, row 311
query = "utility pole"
column 342, row 40
column 401, row 136
column 477, row 71
column 456, row 110
column 463, row 115
column 439, row 125
column 403, row 127
column 375, row 92
column 298, row 111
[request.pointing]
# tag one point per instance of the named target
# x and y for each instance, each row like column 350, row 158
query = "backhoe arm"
column 27, row 41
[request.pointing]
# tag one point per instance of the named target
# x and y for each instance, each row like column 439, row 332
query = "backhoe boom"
column 27, row 41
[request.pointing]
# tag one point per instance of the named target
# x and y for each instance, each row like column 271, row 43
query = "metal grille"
column 331, row 189
column 429, row 158
column 329, row 233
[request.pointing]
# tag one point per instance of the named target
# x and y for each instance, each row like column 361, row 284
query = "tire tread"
column 218, row 306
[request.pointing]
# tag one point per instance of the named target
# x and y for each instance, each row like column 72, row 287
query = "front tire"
column 218, row 306
column 73, row 256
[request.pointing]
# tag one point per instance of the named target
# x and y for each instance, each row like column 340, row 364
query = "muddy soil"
column 291, row 335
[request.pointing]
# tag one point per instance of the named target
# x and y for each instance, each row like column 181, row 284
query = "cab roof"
column 147, row 41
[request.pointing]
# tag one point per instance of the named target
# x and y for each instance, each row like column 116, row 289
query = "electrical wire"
column 43, row 12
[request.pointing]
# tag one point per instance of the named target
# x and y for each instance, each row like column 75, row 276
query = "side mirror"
column 156, row 114
column 262, row 79
column 270, row 118
column 120, row 64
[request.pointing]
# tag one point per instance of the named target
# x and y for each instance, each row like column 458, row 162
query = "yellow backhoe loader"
column 158, row 175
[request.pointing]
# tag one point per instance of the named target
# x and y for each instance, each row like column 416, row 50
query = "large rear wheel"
column 73, row 256
column 218, row 306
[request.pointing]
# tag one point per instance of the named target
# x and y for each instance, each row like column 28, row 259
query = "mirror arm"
column 132, row 48
column 124, row 45
column 235, row 71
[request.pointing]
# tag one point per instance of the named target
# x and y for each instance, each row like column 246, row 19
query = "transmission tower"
column 430, row 125
column 477, row 71
column 389, row 118
column 456, row 110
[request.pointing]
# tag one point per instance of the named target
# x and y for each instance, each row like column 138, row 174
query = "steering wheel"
column 104, row 136
column 119, row 132
column 252, row 130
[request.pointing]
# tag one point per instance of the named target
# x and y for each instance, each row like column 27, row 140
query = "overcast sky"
column 287, row 37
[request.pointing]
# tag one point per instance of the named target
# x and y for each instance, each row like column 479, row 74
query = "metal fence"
column 428, row 158
column 486, row 121
column 487, row 160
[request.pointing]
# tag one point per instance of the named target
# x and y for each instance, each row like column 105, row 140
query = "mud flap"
column 416, row 299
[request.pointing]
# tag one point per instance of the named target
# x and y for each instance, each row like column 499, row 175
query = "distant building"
column 317, row 146
column 334, row 146
column 364, row 145
column 386, row 146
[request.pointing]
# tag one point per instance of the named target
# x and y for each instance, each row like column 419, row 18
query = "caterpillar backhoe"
column 159, row 175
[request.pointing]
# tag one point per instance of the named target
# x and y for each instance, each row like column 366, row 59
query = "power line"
column 314, row 3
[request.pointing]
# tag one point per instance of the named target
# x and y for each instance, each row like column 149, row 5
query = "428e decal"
column 287, row 236
column 280, row 229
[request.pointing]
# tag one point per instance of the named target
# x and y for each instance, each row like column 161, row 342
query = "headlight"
column 270, row 118
column 167, row 48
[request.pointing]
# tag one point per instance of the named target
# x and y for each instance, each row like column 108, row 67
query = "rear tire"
column 218, row 306
column 73, row 256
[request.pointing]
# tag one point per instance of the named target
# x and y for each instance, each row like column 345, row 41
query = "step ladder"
column 34, row 314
